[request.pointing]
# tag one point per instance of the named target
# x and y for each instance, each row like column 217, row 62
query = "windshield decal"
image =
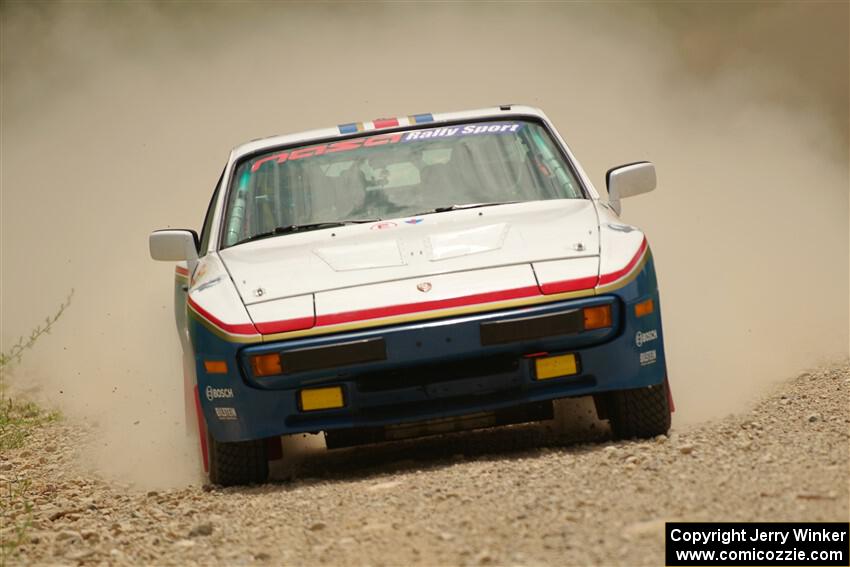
column 394, row 138
column 341, row 146
column 469, row 130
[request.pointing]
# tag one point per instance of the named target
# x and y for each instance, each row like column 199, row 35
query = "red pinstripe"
column 404, row 309
column 298, row 324
column 569, row 285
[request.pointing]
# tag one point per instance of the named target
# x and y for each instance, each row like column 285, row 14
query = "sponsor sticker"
column 468, row 130
column 648, row 357
column 393, row 138
column 413, row 221
column 641, row 338
column 384, row 225
column 216, row 393
column 226, row 414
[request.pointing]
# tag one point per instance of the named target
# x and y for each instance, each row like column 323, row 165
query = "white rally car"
column 412, row 275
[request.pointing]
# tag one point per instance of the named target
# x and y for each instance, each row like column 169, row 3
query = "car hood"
column 301, row 264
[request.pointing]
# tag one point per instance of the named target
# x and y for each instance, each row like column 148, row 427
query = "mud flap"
column 202, row 432
column 669, row 396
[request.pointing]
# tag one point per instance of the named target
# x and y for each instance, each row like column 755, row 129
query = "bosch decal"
column 641, row 338
column 216, row 393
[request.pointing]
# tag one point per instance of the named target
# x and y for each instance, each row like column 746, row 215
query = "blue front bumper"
column 433, row 369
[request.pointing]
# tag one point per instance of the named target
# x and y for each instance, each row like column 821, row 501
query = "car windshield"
column 396, row 174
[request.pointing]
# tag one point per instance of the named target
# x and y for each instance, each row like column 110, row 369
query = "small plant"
column 15, row 353
column 17, row 419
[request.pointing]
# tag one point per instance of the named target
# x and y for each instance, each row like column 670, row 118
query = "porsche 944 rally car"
column 412, row 275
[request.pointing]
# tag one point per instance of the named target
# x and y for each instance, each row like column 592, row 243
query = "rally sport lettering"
column 382, row 139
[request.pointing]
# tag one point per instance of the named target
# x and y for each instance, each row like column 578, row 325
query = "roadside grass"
column 18, row 419
column 16, row 515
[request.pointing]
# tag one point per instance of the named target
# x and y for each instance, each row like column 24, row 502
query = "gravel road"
column 515, row 496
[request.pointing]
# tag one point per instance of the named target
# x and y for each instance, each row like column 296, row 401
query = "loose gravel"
column 510, row 496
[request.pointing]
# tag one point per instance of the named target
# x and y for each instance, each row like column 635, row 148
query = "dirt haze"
column 117, row 119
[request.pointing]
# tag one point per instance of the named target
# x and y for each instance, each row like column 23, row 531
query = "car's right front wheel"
column 642, row 412
column 242, row 462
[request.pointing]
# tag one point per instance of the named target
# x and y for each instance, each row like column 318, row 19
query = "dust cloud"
column 117, row 119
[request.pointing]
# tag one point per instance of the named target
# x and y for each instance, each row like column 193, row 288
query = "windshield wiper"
column 464, row 206
column 286, row 229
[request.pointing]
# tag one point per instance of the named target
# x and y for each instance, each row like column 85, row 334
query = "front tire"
column 242, row 462
column 642, row 412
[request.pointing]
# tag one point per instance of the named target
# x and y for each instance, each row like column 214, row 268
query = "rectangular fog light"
column 597, row 317
column 321, row 398
column 266, row 364
column 556, row 366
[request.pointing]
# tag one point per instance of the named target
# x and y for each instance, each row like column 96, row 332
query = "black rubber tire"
column 232, row 464
column 642, row 413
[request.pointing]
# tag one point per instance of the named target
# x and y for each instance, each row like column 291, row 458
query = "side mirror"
column 174, row 245
column 629, row 180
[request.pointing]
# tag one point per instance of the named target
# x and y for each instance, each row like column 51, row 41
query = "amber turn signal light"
column 266, row 364
column 644, row 308
column 597, row 317
column 215, row 366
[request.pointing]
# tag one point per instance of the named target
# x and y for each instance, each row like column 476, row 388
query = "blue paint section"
column 348, row 128
column 422, row 118
column 610, row 359
column 420, row 343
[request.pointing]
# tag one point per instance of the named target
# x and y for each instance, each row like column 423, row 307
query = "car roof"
column 383, row 123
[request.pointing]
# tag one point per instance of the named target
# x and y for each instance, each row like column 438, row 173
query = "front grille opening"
column 437, row 372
